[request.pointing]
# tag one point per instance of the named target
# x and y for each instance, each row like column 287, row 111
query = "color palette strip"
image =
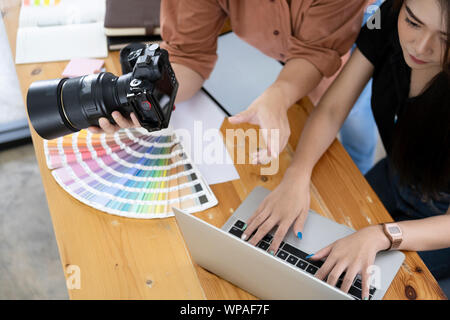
column 131, row 173
column 41, row 2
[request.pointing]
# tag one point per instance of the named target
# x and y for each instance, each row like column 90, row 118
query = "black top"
column 391, row 77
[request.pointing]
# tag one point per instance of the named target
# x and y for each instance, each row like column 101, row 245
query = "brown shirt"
column 320, row 31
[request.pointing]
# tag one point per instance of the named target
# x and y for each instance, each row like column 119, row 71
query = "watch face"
column 394, row 230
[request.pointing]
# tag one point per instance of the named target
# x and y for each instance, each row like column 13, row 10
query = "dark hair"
column 421, row 143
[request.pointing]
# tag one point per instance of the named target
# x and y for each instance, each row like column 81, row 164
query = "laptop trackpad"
column 318, row 231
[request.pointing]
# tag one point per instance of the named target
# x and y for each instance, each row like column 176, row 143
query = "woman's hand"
column 353, row 255
column 288, row 204
column 122, row 122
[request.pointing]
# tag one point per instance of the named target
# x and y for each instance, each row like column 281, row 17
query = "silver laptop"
column 287, row 275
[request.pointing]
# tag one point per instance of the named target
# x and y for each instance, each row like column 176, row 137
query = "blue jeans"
column 405, row 203
column 359, row 133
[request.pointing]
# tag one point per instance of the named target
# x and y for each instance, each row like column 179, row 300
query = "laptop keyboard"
column 297, row 258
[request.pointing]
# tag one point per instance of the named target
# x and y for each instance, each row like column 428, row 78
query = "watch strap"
column 395, row 240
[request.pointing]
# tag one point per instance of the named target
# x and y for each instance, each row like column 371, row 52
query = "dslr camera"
column 147, row 87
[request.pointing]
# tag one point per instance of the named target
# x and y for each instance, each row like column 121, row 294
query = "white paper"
column 61, row 43
column 201, row 119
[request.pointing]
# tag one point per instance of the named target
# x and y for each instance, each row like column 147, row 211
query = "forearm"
column 319, row 132
column 327, row 118
column 418, row 235
column 291, row 84
column 269, row 110
column 426, row 234
column 189, row 82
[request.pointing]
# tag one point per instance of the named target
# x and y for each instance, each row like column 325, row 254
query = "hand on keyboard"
column 301, row 260
column 352, row 255
column 288, row 204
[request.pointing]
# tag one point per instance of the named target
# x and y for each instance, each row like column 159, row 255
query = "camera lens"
column 44, row 109
column 63, row 106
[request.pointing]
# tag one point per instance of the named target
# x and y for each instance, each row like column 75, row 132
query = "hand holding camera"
column 145, row 93
column 104, row 126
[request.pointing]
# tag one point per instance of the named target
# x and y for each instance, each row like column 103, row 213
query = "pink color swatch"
column 80, row 67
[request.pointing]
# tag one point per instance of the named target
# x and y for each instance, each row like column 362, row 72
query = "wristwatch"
column 394, row 234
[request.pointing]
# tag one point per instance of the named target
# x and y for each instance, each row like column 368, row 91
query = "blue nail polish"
column 309, row 256
column 245, row 227
column 299, row 235
column 271, row 252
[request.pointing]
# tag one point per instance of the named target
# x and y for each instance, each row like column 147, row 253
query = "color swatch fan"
column 132, row 173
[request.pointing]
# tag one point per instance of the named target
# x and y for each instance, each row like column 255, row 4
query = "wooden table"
column 121, row 258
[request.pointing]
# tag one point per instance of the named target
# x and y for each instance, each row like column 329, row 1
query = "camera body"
column 152, row 86
column 148, row 88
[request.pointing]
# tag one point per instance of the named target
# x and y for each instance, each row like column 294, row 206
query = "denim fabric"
column 359, row 133
column 405, row 203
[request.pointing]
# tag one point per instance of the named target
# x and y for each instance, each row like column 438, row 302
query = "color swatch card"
column 78, row 67
column 132, row 173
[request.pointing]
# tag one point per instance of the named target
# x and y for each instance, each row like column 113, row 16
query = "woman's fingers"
column 260, row 209
column 263, row 229
column 325, row 269
column 279, row 235
column 322, row 253
column 261, row 157
column 282, row 207
column 366, row 279
column 121, row 120
column 335, row 273
column 135, row 120
column 95, row 130
column 350, row 276
column 299, row 224
column 256, row 222
column 277, row 140
column 242, row 117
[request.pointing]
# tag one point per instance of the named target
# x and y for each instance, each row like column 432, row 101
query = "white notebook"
column 69, row 29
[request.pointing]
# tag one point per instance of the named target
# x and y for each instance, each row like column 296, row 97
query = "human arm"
column 189, row 29
column 426, row 234
column 356, row 253
column 297, row 78
column 313, row 45
column 189, row 83
column 289, row 203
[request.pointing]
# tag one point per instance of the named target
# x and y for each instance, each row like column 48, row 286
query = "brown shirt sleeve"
column 189, row 29
column 325, row 31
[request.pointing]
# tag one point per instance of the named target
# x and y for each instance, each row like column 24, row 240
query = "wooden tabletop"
column 122, row 258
